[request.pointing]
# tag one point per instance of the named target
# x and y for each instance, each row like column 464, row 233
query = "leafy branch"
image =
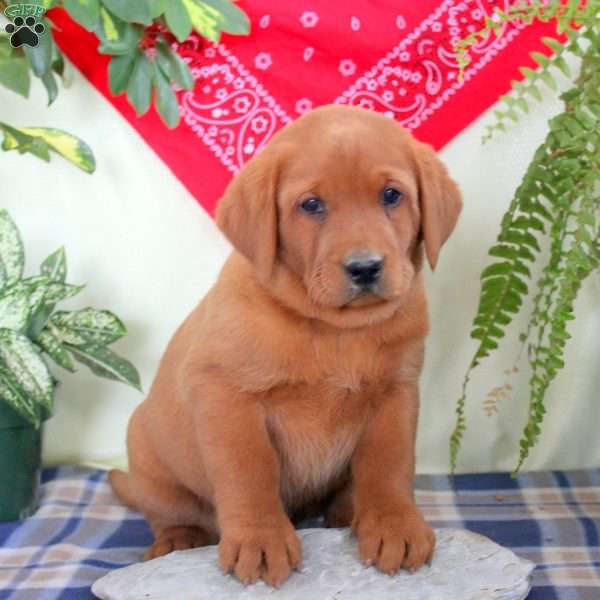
column 557, row 200
column 138, row 35
column 576, row 22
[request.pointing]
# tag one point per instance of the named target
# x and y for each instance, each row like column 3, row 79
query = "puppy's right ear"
column 247, row 213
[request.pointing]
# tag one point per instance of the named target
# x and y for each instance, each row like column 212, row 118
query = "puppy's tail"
column 119, row 480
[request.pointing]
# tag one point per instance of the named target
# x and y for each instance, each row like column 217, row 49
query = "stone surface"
column 466, row 566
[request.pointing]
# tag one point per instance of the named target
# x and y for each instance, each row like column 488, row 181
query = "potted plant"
column 32, row 330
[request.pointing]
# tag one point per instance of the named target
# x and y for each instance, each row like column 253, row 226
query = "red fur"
column 282, row 389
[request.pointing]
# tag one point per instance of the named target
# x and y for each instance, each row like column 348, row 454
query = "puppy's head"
column 342, row 199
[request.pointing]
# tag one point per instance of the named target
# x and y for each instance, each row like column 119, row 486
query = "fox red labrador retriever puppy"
column 294, row 383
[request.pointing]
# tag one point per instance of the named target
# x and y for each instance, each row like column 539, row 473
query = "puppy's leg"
column 178, row 517
column 119, row 480
column 339, row 512
column 257, row 537
column 169, row 539
column 390, row 528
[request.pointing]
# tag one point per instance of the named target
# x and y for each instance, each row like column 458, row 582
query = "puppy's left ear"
column 439, row 199
column 247, row 213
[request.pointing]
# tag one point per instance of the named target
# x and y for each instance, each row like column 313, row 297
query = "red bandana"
column 392, row 56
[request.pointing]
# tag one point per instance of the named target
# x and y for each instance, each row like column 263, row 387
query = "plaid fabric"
column 81, row 531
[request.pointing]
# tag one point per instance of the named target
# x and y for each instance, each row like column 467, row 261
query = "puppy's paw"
column 392, row 540
column 177, row 538
column 260, row 550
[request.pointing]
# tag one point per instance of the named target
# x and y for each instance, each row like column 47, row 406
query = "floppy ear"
column 247, row 213
column 439, row 199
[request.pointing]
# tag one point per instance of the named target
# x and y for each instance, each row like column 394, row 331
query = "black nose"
column 364, row 271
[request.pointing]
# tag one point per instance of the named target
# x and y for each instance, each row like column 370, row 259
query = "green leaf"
column 540, row 59
column 502, row 251
column 520, row 267
column 12, row 253
column 234, row 19
column 534, row 91
column 40, row 57
column 139, row 87
column 23, row 403
column 43, row 290
column 106, row 363
column 58, row 65
column 173, row 66
column 6, row 49
column 178, row 19
column 14, row 74
column 87, row 325
column 165, row 99
column 55, row 266
column 85, row 12
column 53, row 347
column 45, row 3
column 548, row 80
column 50, row 85
column 34, row 286
column 42, row 302
column 117, row 36
column 14, row 310
column 496, row 269
column 38, row 139
column 131, row 11
column 540, row 209
column 108, row 29
column 57, row 291
column 205, row 19
column 158, row 7
column 22, row 358
column 561, row 63
column 518, row 285
column 119, row 72
column 552, row 43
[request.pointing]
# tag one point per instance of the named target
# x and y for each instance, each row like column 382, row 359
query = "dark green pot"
column 20, row 465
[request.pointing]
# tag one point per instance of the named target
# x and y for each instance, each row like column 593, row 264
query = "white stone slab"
column 465, row 566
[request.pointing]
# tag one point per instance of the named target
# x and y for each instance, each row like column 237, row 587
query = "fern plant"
column 32, row 330
column 137, row 34
column 557, row 202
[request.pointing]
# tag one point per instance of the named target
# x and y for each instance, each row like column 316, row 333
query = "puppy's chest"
column 348, row 363
column 315, row 430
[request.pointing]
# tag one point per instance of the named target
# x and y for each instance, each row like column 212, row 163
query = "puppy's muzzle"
column 364, row 268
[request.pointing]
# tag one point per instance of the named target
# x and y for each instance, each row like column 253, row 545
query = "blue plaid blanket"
column 81, row 531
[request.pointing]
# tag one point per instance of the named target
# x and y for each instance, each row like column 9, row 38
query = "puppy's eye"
column 391, row 197
column 313, row 206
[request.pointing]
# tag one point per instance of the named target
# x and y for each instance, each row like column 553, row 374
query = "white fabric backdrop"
column 149, row 252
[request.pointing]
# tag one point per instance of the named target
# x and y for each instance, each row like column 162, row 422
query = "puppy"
column 294, row 383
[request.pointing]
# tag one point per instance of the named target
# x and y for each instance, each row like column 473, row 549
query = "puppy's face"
column 348, row 210
column 342, row 198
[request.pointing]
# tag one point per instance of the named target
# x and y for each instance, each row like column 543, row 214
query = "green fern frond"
column 576, row 21
column 574, row 252
column 559, row 199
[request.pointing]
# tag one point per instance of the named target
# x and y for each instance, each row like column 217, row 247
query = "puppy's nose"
column 364, row 268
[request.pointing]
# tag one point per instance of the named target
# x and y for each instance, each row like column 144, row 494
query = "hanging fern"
column 558, row 199
column 575, row 20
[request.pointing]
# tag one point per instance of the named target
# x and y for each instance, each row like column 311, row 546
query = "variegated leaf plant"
column 32, row 330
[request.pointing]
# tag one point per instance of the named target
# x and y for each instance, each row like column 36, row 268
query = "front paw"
column 266, row 550
column 394, row 539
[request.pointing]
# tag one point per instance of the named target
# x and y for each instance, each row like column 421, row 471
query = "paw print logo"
column 24, row 31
